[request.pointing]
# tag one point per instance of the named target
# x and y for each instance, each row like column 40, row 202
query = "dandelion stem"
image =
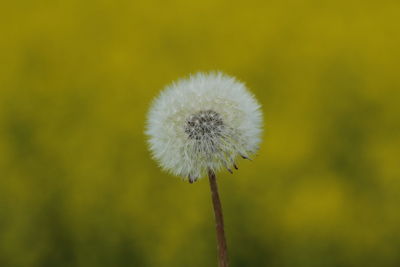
column 219, row 221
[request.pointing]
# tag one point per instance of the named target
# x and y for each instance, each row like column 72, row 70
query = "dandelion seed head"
column 203, row 122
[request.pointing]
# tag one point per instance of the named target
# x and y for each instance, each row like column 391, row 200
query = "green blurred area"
column 78, row 186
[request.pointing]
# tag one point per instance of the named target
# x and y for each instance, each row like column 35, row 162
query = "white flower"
column 203, row 123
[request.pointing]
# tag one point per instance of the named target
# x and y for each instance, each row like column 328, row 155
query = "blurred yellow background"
column 78, row 186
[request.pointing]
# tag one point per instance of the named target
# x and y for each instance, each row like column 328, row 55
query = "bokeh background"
column 78, row 186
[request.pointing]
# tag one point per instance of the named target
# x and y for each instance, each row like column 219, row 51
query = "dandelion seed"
column 203, row 123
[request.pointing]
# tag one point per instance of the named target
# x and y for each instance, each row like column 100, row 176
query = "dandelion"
column 200, row 125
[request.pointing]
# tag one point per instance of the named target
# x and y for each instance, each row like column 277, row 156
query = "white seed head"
column 203, row 123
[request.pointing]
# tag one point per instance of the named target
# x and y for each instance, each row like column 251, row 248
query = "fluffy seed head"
column 203, row 123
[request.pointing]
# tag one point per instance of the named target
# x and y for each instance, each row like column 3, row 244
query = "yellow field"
column 78, row 186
